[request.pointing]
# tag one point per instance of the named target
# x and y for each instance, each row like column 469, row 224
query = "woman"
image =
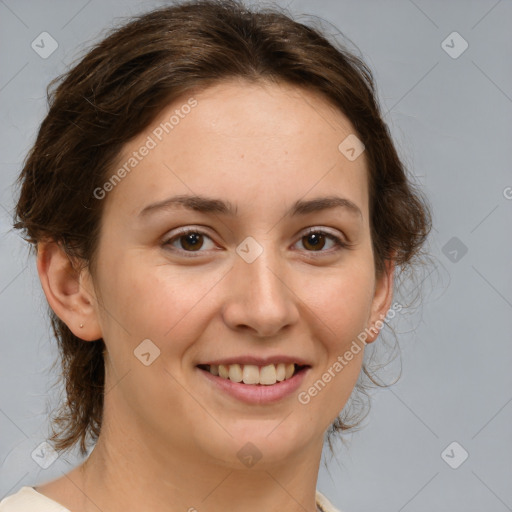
column 218, row 212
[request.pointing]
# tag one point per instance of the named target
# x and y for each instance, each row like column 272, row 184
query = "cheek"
column 343, row 318
column 344, row 302
column 342, row 311
column 150, row 301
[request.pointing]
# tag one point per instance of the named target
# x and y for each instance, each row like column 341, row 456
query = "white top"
column 27, row 499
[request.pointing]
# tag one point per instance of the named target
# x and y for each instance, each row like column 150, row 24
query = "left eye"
column 192, row 240
column 316, row 239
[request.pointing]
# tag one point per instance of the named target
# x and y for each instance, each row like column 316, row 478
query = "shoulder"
column 27, row 499
column 322, row 502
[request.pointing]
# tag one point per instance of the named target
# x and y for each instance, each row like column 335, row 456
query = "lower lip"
column 257, row 393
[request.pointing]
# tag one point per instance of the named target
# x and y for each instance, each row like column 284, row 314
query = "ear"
column 68, row 290
column 381, row 302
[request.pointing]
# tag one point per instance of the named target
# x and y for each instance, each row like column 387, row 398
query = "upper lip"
column 257, row 361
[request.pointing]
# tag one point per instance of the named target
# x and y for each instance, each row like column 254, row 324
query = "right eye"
column 190, row 239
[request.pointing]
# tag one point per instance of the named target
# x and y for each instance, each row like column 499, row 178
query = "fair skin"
column 169, row 437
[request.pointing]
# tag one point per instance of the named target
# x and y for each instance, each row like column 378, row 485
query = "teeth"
column 223, row 371
column 235, row 373
column 252, row 374
column 268, row 374
column 290, row 368
column 280, row 372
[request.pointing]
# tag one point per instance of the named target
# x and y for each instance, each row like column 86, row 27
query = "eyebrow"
column 211, row 205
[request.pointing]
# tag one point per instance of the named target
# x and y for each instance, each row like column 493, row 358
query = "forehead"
column 262, row 144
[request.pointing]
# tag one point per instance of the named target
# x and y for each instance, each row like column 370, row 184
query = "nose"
column 259, row 298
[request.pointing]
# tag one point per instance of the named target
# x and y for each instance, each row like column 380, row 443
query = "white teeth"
column 223, row 371
column 280, row 372
column 235, row 373
column 290, row 368
column 252, row 374
column 268, row 374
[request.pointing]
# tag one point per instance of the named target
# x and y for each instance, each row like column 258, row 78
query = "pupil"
column 313, row 239
column 316, row 240
column 192, row 239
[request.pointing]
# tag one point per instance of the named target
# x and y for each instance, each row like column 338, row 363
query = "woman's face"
column 249, row 285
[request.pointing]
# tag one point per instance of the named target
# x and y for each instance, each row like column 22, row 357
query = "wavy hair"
column 119, row 87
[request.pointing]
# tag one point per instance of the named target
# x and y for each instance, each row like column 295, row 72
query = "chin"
column 262, row 444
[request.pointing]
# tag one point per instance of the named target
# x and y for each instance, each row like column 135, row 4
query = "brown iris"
column 317, row 240
column 193, row 241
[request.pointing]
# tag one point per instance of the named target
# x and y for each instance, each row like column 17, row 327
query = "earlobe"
column 65, row 291
column 382, row 298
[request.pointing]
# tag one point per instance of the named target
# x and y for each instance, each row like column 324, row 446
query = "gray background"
column 451, row 119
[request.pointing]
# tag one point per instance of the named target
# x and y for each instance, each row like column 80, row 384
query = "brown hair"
column 118, row 89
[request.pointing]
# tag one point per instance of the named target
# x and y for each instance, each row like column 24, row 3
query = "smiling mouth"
column 252, row 374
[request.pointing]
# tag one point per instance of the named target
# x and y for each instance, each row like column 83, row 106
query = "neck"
column 123, row 474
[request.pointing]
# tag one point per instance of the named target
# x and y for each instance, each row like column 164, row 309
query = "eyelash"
column 338, row 242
